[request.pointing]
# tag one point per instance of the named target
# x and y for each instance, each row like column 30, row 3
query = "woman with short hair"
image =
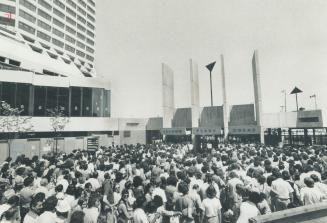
column 212, row 206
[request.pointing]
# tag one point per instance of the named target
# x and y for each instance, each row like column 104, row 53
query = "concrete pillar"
column 306, row 141
column 279, row 131
column 257, row 93
column 225, row 105
column 168, row 103
column 290, row 136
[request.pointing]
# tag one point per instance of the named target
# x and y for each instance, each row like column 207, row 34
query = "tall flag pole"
column 210, row 68
column 315, row 97
column 296, row 91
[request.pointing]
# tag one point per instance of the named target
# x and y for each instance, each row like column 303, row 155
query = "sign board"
column 173, row 131
column 207, row 131
column 244, row 130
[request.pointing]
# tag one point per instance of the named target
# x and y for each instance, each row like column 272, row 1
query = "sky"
column 135, row 37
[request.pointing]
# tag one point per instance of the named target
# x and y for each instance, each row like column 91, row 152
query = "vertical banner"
column 168, row 104
column 195, row 101
column 257, row 92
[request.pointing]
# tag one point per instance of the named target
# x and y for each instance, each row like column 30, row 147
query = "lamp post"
column 210, row 68
column 315, row 97
column 296, row 91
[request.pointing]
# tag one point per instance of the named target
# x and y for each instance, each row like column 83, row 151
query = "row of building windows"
column 71, row 21
column 89, row 49
column 26, row 28
column 82, row 28
column 48, row 17
column 7, row 22
column 45, row 4
column 59, row 4
column 71, row 3
column 32, row 7
column 71, row 12
column 70, row 39
column 27, row 16
column 90, row 17
column 82, row 11
column 7, row 8
column 43, row 36
column 91, row 2
column 81, row 19
column 32, row 19
column 28, row 5
column 80, row 45
column 58, row 13
column 82, row 3
column 90, row 26
column 43, row 25
column 58, row 33
column 44, row 14
column 74, row 101
column 59, row 43
column 91, row 10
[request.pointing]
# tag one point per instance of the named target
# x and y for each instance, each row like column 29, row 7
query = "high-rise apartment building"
column 63, row 29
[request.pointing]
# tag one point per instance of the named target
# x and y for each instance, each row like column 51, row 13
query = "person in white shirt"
column 281, row 193
column 320, row 186
column 93, row 180
column 211, row 206
column 92, row 211
column 209, row 181
column 310, row 194
column 35, row 209
column 248, row 209
column 139, row 215
column 158, row 191
column 49, row 214
column 43, row 188
column 13, row 201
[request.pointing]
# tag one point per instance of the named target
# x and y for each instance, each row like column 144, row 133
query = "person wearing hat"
column 310, row 194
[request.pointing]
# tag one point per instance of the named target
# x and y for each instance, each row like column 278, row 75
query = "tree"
column 58, row 121
column 12, row 123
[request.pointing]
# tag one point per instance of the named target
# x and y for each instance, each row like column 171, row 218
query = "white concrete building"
column 63, row 29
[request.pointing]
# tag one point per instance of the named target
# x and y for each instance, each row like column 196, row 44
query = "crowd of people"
column 161, row 183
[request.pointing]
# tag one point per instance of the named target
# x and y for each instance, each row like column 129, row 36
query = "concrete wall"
column 182, row 118
column 32, row 147
column 42, row 124
column 132, row 131
column 315, row 213
column 212, row 117
column 241, row 115
column 154, row 123
column 292, row 119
